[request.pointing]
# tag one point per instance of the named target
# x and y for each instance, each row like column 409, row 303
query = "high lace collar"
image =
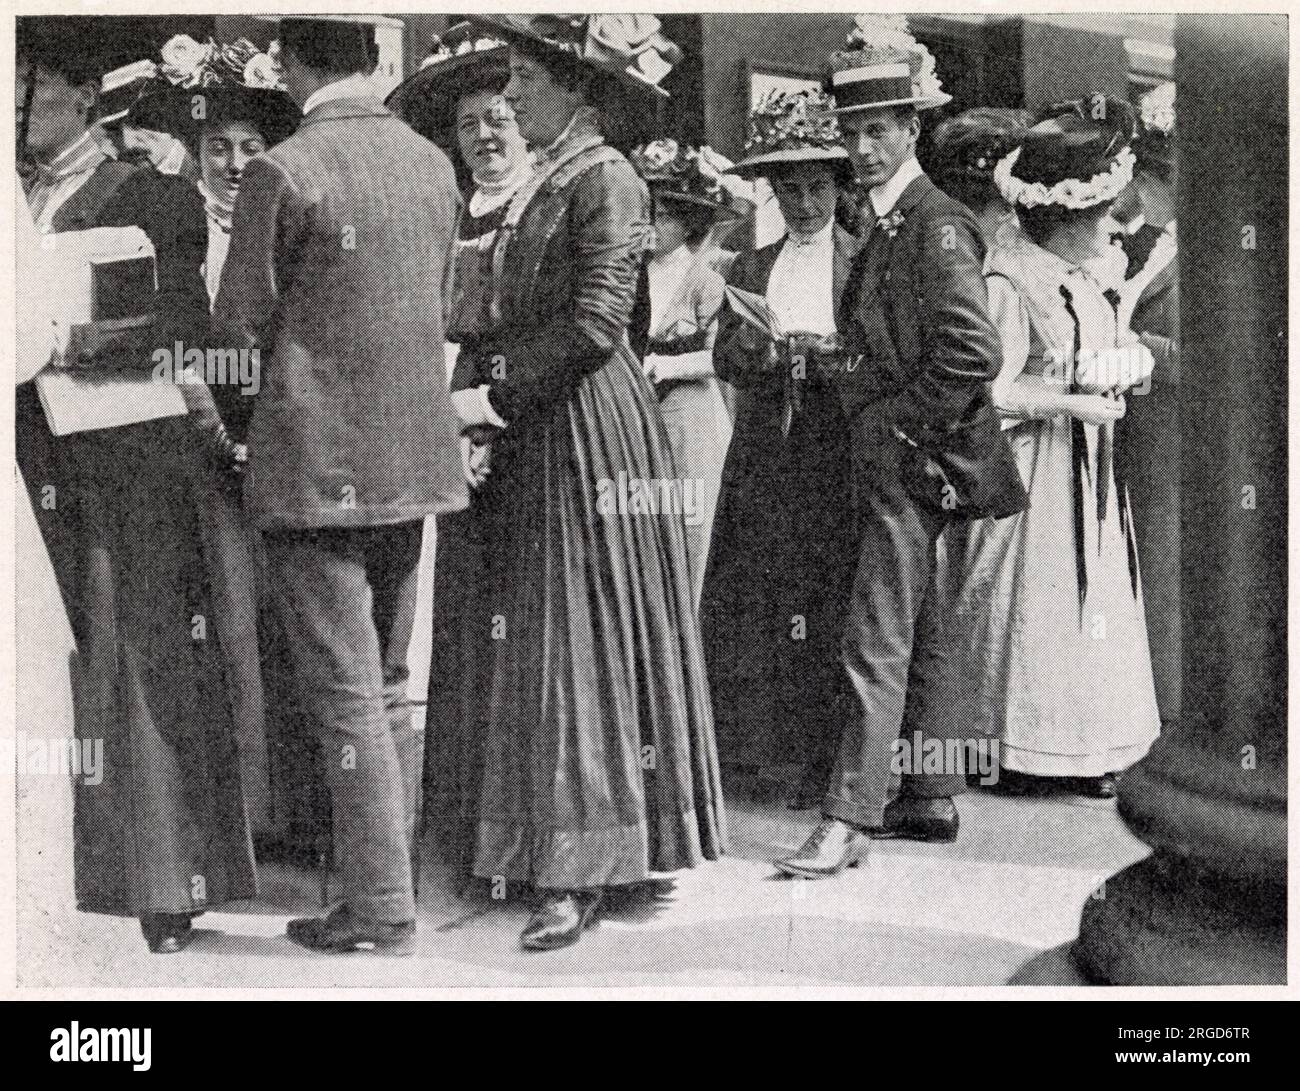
column 219, row 211
column 584, row 124
column 489, row 196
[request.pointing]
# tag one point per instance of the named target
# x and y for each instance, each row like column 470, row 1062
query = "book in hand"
column 753, row 309
column 100, row 376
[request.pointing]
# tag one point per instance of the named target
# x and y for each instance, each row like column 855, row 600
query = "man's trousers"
column 346, row 597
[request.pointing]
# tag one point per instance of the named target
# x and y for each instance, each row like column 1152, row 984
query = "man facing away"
column 927, row 445
column 339, row 245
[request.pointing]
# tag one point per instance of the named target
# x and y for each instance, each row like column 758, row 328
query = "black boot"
column 166, row 933
column 560, row 919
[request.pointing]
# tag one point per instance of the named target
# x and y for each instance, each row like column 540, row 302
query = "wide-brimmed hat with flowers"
column 631, row 48
column 462, row 58
column 693, row 176
column 882, row 64
column 1078, row 156
column 787, row 127
column 236, row 81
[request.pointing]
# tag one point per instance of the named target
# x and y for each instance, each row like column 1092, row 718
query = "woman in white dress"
column 1048, row 646
column 686, row 292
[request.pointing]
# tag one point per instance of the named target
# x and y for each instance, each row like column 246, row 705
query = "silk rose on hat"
column 184, row 60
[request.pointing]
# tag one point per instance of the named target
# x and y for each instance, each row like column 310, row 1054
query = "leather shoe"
column 166, row 933
column 833, row 846
column 1102, row 787
column 920, row 819
column 560, row 919
column 340, row 932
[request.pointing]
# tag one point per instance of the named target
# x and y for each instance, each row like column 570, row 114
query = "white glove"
column 474, row 409
column 1114, row 370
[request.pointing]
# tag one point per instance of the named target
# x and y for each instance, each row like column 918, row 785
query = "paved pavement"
column 968, row 913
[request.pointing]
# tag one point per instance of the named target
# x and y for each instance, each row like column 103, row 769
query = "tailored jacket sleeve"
column 959, row 350
column 742, row 355
column 543, row 363
column 267, row 230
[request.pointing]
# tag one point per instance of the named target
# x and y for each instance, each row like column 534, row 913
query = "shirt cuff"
column 489, row 414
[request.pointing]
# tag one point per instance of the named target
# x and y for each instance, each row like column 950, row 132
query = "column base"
column 1169, row 921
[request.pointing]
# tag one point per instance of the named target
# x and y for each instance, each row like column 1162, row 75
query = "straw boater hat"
column 1078, row 156
column 1154, row 146
column 631, row 48
column 883, row 65
column 237, row 81
column 119, row 89
column 462, row 58
column 787, row 127
column 691, row 176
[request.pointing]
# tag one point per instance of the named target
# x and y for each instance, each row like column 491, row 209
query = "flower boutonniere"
column 891, row 223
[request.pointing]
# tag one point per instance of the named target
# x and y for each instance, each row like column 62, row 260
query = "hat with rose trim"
column 203, row 82
column 631, row 48
column 693, row 176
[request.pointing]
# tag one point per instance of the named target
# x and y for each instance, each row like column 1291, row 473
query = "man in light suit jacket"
column 339, row 246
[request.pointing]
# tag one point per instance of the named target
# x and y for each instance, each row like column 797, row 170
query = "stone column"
column 1208, row 907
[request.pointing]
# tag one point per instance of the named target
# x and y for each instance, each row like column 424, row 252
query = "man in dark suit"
column 927, row 448
column 339, row 247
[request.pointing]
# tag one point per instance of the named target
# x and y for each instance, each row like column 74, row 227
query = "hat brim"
column 425, row 99
column 722, row 211
column 765, row 161
column 920, row 102
column 274, row 113
column 513, row 33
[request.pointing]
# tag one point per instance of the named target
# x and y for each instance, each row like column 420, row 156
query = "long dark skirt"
column 598, row 761
column 166, row 830
column 460, row 675
column 777, row 589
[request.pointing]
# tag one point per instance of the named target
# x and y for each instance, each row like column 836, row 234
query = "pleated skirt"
column 591, row 759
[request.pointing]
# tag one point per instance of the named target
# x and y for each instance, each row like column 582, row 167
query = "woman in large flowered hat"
column 162, row 833
column 599, row 766
column 226, row 103
column 456, row 99
column 783, row 546
column 1049, row 647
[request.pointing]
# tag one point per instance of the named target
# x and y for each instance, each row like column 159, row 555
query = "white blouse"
column 801, row 287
